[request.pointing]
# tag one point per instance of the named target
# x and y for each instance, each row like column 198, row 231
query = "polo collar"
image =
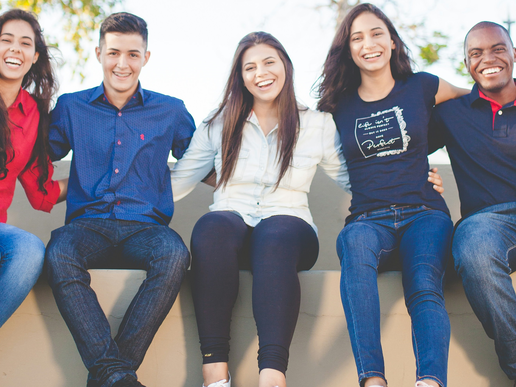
column 477, row 95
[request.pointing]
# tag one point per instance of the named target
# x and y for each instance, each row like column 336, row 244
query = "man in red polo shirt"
column 479, row 131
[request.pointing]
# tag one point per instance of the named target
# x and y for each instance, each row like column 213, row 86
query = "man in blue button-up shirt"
column 479, row 131
column 119, row 203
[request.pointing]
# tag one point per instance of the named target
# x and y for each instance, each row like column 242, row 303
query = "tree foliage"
column 78, row 20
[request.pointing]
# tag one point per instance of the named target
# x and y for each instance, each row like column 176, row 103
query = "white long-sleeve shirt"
column 251, row 192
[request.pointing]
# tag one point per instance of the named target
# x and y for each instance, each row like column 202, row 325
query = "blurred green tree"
column 78, row 19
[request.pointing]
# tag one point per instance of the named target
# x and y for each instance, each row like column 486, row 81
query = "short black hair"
column 125, row 23
column 487, row 24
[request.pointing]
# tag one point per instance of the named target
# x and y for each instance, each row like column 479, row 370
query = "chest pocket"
column 501, row 131
column 300, row 174
column 241, row 164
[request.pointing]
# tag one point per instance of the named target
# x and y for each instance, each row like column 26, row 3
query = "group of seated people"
column 375, row 124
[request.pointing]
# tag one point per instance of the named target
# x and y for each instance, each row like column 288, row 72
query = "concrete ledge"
column 36, row 348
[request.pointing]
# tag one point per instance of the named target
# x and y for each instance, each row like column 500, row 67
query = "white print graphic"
column 382, row 133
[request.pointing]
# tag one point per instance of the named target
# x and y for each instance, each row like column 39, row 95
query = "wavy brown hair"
column 237, row 104
column 40, row 82
column 341, row 74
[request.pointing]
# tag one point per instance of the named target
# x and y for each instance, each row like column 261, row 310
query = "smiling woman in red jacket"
column 24, row 116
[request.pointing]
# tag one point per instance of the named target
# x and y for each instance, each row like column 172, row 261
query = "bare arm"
column 63, row 186
column 448, row 91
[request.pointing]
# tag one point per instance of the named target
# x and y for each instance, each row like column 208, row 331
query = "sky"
column 192, row 42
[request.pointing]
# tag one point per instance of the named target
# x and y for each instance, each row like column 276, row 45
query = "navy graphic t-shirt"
column 385, row 145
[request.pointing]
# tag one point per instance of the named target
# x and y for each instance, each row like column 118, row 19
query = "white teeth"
column 14, row 61
column 265, row 83
column 121, row 75
column 374, row 55
column 492, row 70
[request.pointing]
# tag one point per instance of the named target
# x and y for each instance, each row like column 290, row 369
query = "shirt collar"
column 254, row 120
column 20, row 101
column 99, row 91
column 477, row 95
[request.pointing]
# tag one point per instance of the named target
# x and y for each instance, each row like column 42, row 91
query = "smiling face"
column 263, row 73
column 370, row 43
column 490, row 59
column 122, row 57
column 17, row 49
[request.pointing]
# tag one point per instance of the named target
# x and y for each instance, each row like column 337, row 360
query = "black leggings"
column 275, row 250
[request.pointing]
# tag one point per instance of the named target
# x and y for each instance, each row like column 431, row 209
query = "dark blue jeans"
column 484, row 249
column 420, row 238
column 106, row 243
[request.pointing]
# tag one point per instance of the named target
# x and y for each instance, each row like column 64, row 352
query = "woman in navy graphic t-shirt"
column 382, row 110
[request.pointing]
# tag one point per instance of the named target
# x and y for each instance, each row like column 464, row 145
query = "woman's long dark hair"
column 341, row 74
column 40, row 82
column 237, row 104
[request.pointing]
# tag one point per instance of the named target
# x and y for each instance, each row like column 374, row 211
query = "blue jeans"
column 106, row 243
column 420, row 238
column 484, row 249
column 21, row 261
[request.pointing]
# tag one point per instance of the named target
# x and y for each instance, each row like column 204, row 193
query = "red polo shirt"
column 24, row 117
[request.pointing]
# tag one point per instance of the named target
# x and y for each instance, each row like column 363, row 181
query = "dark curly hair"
column 341, row 74
column 40, row 82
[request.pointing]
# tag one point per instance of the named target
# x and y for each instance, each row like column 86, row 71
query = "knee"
column 353, row 242
column 59, row 260
column 425, row 287
column 24, row 253
column 53, row 252
column 213, row 226
column 173, row 248
column 474, row 247
column 28, row 245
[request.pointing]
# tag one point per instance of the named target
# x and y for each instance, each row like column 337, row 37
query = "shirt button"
column 119, row 142
column 118, row 203
column 500, row 112
column 116, row 170
column 119, row 114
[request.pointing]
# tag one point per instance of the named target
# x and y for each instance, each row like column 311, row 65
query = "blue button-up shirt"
column 119, row 167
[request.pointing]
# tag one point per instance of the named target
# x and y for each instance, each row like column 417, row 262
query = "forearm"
column 63, row 186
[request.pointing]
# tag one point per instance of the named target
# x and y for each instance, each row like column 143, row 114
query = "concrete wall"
column 36, row 348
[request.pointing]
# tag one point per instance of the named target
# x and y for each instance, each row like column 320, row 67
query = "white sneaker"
column 422, row 384
column 221, row 383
